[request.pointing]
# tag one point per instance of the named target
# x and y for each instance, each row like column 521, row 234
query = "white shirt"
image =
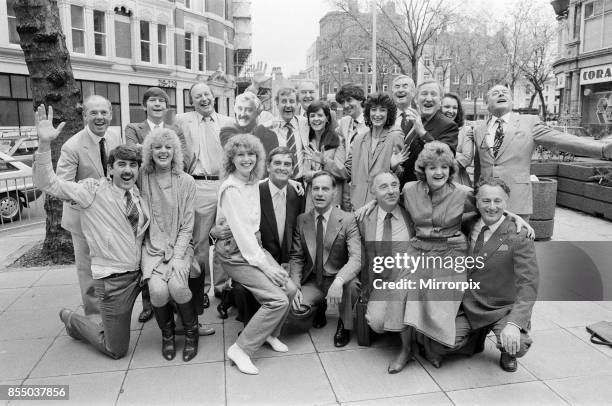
column 399, row 231
column 279, row 200
column 281, row 136
column 492, row 127
column 95, row 138
column 152, row 125
column 325, row 219
column 209, row 150
column 488, row 233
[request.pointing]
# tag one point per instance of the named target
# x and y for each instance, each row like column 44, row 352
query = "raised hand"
column 399, row 156
column 44, row 126
column 415, row 116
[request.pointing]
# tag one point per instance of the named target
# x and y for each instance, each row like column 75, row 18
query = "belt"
column 115, row 275
column 205, row 177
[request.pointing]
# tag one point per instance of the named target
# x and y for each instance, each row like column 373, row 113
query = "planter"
column 543, row 228
column 581, row 170
column 598, row 192
column 547, row 169
column 570, row 201
column 575, row 187
column 597, row 208
column 544, row 203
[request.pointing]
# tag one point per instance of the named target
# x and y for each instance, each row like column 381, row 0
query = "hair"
column 318, row 174
column 199, row 83
column 160, row 135
column 395, row 79
column 373, row 184
column 284, row 91
column 459, row 119
column 316, row 84
column 428, row 82
column 155, row 92
column 490, row 181
column 383, row 100
column 348, row 91
column 92, row 99
column 246, row 142
column 249, row 97
column 281, row 151
column 126, row 152
column 491, row 89
column 329, row 138
column 435, row 152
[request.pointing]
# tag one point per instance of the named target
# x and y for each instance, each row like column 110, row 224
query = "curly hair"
column 329, row 138
column 350, row 90
column 159, row 136
column 435, row 152
column 380, row 99
column 246, row 142
column 459, row 119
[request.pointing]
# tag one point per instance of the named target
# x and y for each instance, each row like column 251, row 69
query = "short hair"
column 281, row 151
column 126, row 152
column 429, row 82
column 383, row 100
column 250, row 97
column 348, row 91
column 155, row 92
column 379, row 175
column 435, row 152
column 459, row 120
column 199, row 83
column 96, row 97
column 491, row 181
column 160, row 135
column 399, row 77
column 316, row 84
column 318, row 174
column 247, row 142
column 329, row 138
column 283, row 91
column 491, row 89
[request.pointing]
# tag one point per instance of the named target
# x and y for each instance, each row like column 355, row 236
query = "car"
column 17, row 189
column 21, row 149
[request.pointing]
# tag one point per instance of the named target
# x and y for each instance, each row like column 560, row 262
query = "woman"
column 166, row 254
column 322, row 150
column 451, row 108
column 242, row 256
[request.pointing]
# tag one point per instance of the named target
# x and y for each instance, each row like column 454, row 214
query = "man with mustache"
column 505, row 143
column 113, row 223
column 83, row 156
column 201, row 128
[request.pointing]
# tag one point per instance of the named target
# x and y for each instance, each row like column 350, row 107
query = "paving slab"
column 55, row 297
column 18, row 357
column 19, row 278
column 8, row 296
column 323, row 338
column 526, row 393
column 592, row 390
column 426, row 399
column 585, row 336
column 16, row 382
column 573, row 313
column 59, row 276
column 30, row 323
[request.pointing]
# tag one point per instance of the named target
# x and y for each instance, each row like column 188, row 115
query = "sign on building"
column 596, row 74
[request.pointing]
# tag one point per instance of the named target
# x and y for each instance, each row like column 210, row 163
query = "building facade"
column 120, row 48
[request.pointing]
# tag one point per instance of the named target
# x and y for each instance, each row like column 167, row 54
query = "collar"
column 359, row 119
column 293, row 122
column 396, row 213
column 152, row 124
column 505, row 118
column 209, row 118
column 118, row 192
column 274, row 190
column 493, row 227
column 95, row 138
column 326, row 215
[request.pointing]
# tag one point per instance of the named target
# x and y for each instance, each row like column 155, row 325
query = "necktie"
column 499, row 137
column 405, row 124
column 353, row 132
column 319, row 251
column 103, row 155
column 480, row 240
column 279, row 214
column 387, row 236
column 131, row 211
column 290, row 138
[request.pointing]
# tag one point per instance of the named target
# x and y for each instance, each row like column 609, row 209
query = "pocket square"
column 503, row 247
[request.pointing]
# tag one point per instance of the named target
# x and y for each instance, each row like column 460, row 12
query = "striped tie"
column 499, row 137
column 131, row 211
column 354, row 131
column 290, row 138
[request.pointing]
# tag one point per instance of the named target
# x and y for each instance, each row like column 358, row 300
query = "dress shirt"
column 398, row 225
column 210, row 152
column 152, row 124
column 487, row 234
column 492, row 127
column 279, row 199
column 95, row 138
column 325, row 219
column 117, row 191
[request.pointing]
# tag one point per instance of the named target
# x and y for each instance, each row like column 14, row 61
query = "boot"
column 226, row 303
column 165, row 320
column 190, row 323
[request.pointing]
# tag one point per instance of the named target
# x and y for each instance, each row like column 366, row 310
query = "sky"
column 283, row 30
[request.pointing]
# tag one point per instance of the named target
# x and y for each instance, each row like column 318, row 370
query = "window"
column 145, row 42
column 597, row 25
column 384, row 69
column 345, row 68
column 369, row 89
column 335, row 88
column 161, row 44
column 188, row 50
column 385, row 88
column 396, row 69
column 369, row 68
column 137, row 114
column 469, row 81
column 187, row 3
column 201, row 54
column 104, row 89
column 15, row 101
column 457, row 79
column 360, row 68
column 12, row 22
column 78, row 29
column 468, row 94
column 427, row 62
column 99, row 24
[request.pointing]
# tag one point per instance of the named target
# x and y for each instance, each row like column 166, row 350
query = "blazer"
column 135, row 133
column 508, row 281
column 268, row 226
column 341, row 249
column 345, row 127
column 80, row 159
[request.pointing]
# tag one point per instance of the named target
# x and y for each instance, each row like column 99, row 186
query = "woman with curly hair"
column 451, row 108
column 378, row 150
column 242, row 256
column 166, row 253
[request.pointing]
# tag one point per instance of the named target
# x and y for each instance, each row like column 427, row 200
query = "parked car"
column 17, row 188
column 21, row 149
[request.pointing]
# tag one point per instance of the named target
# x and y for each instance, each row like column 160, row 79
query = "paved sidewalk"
column 562, row 367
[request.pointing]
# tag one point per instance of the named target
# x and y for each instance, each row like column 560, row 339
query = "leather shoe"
column 238, row 357
column 222, row 310
column 145, row 315
column 65, row 316
column 320, row 320
column 206, row 301
column 507, row 362
column 342, row 336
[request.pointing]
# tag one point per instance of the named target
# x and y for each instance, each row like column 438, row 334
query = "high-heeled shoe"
column 276, row 344
column 399, row 363
column 240, row 358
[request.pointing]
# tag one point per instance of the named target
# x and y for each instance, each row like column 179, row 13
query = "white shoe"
column 242, row 360
column 276, row 344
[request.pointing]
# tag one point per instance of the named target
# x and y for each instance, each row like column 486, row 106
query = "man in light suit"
column 505, row 143
column 84, row 156
column 201, row 128
column 325, row 258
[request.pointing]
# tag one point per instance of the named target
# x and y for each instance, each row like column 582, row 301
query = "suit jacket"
column 508, row 281
column 345, row 129
column 80, row 159
column 341, row 249
column 513, row 161
column 135, row 133
column 268, row 226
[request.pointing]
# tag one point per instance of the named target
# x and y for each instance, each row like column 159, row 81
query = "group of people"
column 298, row 207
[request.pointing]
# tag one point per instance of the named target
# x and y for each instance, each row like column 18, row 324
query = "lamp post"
column 373, row 46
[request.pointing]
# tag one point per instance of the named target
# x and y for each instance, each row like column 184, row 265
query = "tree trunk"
column 543, row 103
column 52, row 83
column 414, row 64
column 533, row 96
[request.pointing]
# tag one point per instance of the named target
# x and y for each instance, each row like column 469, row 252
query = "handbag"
column 601, row 333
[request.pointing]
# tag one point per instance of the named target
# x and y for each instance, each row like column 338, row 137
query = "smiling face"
column 246, row 113
column 244, row 161
column 162, row 154
column 323, row 193
column 124, row 173
column 449, row 107
column 352, row 107
column 98, row 115
column 156, row 108
column 280, row 169
column 386, row 191
column 307, row 93
column 203, row 99
column 403, row 92
column 491, row 202
column 317, row 120
column 499, row 100
column 437, row 175
column 287, row 105
column 428, row 99
column 378, row 116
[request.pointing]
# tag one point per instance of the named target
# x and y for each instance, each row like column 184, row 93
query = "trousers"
column 91, row 308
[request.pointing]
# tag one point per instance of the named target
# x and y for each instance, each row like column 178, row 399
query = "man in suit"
column 201, row 128
column 403, row 90
column 505, row 143
column 307, row 93
column 325, row 258
column 84, row 156
column 113, row 225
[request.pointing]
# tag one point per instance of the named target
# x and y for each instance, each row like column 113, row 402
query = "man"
column 325, row 258
column 403, row 91
column 307, row 93
column 201, row 128
column 505, row 143
column 291, row 130
column 428, row 123
column 113, row 223
column 84, row 156
column 508, row 279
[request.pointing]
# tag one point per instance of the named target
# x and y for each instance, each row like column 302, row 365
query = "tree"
column 52, row 83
